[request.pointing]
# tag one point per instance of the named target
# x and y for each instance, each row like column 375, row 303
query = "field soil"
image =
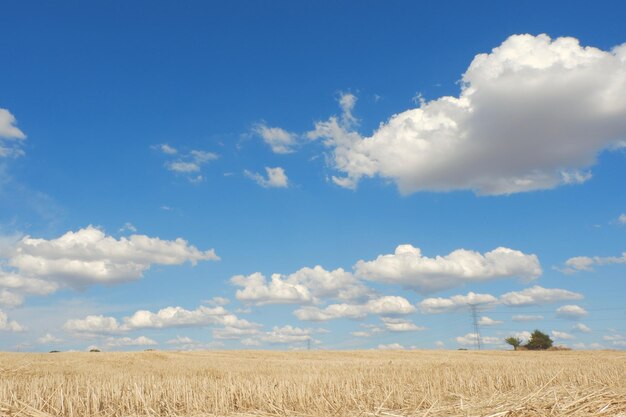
column 348, row 383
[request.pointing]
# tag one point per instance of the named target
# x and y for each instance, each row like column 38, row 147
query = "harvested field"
column 389, row 383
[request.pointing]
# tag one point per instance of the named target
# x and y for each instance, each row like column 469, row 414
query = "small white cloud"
column 250, row 342
column 583, row 328
column 10, row 136
column 200, row 157
column 218, row 301
column 183, row 167
column 470, row 339
column 439, row 344
column 275, row 178
column 182, row 340
column 382, row 306
column 622, row 218
column 361, row 334
column 527, row 317
column 9, row 325
column 167, row 149
column 586, row 263
column 128, row 227
column 48, row 339
column 561, row 335
column 391, row 346
column 278, row 139
column 486, row 321
column 93, row 324
column 572, row 312
column 400, row 325
column 127, row 341
column 537, row 295
column 456, row 302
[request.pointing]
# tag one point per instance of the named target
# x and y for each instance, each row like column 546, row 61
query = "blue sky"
column 484, row 140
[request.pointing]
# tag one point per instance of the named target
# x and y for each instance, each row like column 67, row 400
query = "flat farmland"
column 316, row 383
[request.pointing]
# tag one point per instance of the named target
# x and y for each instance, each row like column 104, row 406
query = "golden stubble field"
column 350, row 383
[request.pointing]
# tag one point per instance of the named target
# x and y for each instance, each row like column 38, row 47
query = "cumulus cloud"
column 218, row 301
column 408, row 267
column 181, row 340
column 622, row 218
column 572, row 312
column 127, row 341
column 93, row 324
column 48, row 339
column 470, row 339
column 535, row 295
column 10, row 299
column 9, row 325
column 11, row 137
column 538, row 295
column 400, row 325
column 186, row 163
column 391, row 346
column 168, row 317
column 287, row 334
column 456, row 302
column 167, row 149
column 278, row 139
column 487, row 321
column 583, row 328
column 275, row 178
column 382, row 306
column 307, row 285
column 557, row 335
column 532, row 114
column 88, row 256
column 586, row 263
column 257, row 290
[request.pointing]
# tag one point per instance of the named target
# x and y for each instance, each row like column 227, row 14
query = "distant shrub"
column 514, row 341
column 54, row 351
column 559, row 348
column 94, row 350
column 539, row 341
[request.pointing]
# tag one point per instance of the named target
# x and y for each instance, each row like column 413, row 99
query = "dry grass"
column 415, row 383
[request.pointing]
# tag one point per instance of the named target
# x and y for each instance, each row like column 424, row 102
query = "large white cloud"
column 307, row 285
column 88, row 256
column 408, row 267
column 382, row 306
column 532, row 114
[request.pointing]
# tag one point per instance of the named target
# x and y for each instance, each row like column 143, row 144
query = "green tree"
column 514, row 341
column 539, row 341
